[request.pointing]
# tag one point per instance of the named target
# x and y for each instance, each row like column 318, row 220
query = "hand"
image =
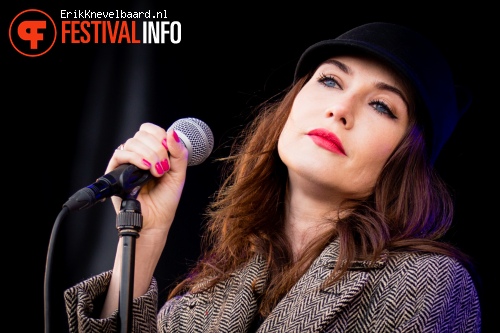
column 164, row 155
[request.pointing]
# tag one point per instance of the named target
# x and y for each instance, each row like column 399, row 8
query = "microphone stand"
column 128, row 223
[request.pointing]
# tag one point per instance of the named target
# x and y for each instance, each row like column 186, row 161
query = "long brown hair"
column 410, row 209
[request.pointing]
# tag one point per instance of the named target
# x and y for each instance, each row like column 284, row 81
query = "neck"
column 307, row 217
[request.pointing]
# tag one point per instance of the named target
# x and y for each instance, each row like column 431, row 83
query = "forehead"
column 355, row 63
column 358, row 62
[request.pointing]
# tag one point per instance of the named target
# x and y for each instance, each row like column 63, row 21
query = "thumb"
column 178, row 153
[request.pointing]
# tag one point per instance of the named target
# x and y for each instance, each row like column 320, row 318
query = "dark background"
column 66, row 111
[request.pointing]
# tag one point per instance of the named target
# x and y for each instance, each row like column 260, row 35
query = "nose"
column 341, row 110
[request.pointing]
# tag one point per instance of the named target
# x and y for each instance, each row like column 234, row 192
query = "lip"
column 327, row 140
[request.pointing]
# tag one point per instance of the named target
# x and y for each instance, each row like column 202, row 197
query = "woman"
column 330, row 217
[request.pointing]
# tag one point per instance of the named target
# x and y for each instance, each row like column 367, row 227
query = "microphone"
column 127, row 179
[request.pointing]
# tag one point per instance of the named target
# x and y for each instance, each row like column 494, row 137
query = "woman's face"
column 344, row 124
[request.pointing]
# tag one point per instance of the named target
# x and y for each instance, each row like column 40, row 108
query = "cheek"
column 307, row 102
column 284, row 140
column 386, row 149
column 379, row 146
column 290, row 142
column 292, row 127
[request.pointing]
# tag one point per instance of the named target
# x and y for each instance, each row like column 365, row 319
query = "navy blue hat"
column 413, row 56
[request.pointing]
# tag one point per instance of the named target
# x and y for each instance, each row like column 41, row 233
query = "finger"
column 147, row 150
column 151, row 150
column 178, row 153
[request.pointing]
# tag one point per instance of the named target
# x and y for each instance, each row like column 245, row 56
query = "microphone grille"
column 196, row 136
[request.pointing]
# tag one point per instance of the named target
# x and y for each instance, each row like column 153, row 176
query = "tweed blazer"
column 404, row 292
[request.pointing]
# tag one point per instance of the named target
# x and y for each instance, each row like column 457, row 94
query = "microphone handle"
column 124, row 181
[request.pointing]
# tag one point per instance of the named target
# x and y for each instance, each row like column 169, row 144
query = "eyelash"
column 375, row 103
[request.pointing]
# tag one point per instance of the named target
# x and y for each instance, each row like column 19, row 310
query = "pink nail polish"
column 176, row 137
column 164, row 143
column 165, row 165
column 146, row 162
column 159, row 168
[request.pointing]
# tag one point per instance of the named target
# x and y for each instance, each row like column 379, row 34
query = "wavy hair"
column 410, row 209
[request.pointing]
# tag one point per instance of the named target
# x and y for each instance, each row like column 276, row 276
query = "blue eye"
column 328, row 81
column 378, row 105
column 382, row 108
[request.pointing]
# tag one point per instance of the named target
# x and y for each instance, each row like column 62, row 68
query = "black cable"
column 49, row 328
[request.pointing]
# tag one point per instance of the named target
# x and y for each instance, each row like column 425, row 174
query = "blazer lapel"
column 310, row 308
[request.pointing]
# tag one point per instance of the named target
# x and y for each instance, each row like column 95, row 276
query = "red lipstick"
column 327, row 140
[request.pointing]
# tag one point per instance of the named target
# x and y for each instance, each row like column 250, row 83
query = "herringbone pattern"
column 408, row 292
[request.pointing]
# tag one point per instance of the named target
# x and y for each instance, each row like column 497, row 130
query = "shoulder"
column 426, row 263
column 435, row 272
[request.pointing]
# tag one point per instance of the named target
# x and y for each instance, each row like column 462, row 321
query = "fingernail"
column 164, row 143
column 159, row 168
column 176, row 137
column 146, row 162
column 165, row 165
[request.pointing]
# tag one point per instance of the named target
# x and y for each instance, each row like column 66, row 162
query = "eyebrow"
column 380, row 85
column 385, row 86
column 339, row 64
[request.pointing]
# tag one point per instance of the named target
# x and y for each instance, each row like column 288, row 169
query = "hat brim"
column 319, row 52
